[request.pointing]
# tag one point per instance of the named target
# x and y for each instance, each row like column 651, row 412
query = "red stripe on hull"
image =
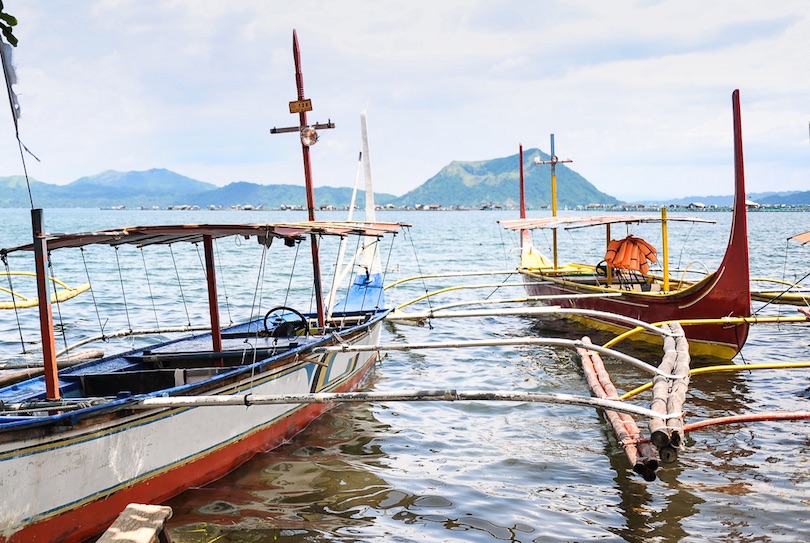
column 93, row 518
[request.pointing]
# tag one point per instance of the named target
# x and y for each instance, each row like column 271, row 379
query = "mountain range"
column 493, row 182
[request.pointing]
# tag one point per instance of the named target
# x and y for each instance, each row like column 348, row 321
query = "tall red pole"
column 213, row 308
column 45, row 315
column 316, row 265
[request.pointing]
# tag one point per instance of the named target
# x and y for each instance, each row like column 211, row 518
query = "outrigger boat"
column 629, row 287
column 77, row 445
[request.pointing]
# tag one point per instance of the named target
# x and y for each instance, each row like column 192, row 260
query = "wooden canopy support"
column 45, row 315
column 213, row 308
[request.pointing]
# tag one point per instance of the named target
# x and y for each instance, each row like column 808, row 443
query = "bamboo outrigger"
column 20, row 301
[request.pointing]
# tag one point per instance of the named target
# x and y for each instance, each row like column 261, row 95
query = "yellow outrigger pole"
column 721, row 320
column 19, row 301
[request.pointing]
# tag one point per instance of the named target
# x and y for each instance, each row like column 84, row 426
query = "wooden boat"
column 79, row 444
column 644, row 296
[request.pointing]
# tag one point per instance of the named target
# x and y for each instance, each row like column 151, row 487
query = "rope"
column 385, row 268
column 424, row 283
column 257, row 290
column 92, row 292
column 58, row 304
column 491, row 294
column 123, row 292
column 149, row 287
column 292, row 272
column 180, row 285
column 683, row 247
column 769, row 302
column 14, row 303
column 222, row 283
column 336, row 273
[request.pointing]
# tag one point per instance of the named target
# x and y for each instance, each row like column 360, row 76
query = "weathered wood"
column 643, row 459
column 669, row 394
column 677, row 393
column 139, row 523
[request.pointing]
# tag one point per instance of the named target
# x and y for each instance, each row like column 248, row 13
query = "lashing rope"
column 58, row 304
column 180, row 285
column 92, row 292
column 149, row 287
column 14, row 303
column 223, row 284
column 123, row 291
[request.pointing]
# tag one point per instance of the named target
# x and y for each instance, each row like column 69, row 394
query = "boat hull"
column 724, row 293
column 70, row 484
column 704, row 300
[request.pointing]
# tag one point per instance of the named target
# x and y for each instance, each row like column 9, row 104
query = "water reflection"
column 326, row 486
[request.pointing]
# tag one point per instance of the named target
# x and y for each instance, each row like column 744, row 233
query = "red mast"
column 309, row 137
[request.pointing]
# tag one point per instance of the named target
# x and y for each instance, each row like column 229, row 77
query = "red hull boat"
column 648, row 297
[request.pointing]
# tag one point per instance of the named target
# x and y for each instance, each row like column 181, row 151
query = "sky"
column 636, row 93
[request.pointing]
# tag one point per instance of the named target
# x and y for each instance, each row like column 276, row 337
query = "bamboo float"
column 667, row 434
column 639, row 453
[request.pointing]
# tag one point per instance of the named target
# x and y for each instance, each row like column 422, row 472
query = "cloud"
column 637, row 93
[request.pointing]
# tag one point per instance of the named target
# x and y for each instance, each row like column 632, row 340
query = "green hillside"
column 497, row 181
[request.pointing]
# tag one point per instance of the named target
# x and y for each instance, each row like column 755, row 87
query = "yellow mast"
column 553, row 161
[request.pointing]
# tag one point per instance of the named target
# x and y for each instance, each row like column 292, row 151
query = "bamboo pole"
column 727, row 367
column 640, row 455
column 447, row 395
column 750, row 417
column 521, row 299
column 549, row 310
column 666, row 433
column 556, row 342
column 448, row 274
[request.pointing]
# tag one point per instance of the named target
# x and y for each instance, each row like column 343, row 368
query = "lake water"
column 453, row 472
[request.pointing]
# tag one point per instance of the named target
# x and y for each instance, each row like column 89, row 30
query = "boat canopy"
column 142, row 236
column 801, row 238
column 572, row 222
